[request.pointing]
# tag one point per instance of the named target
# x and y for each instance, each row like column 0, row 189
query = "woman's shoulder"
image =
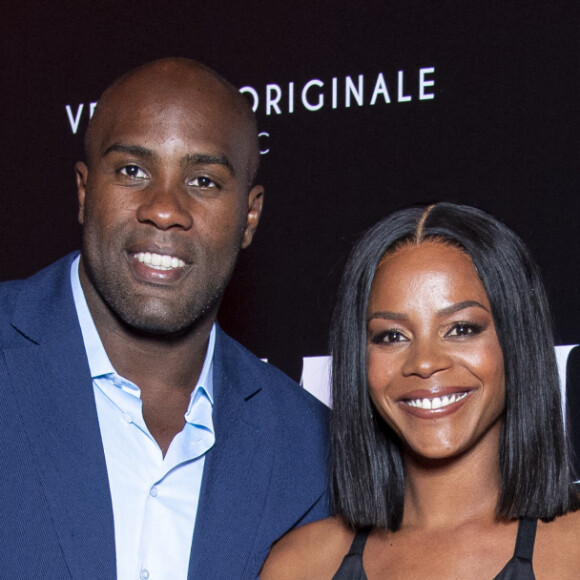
column 563, row 530
column 310, row 552
column 557, row 548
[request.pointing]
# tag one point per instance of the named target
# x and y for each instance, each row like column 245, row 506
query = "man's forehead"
column 170, row 98
column 172, row 125
column 167, row 102
column 176, row 81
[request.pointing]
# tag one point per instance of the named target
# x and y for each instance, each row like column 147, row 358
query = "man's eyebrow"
column 136, row 150
column 388, row 315
column 206, row 159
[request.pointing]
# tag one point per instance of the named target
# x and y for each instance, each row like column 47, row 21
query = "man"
column 137, row 440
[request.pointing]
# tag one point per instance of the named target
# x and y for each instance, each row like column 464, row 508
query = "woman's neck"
column 444, row 492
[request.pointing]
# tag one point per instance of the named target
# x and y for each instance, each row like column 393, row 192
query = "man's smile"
column 160, row 261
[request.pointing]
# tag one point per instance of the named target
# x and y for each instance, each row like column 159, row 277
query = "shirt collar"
column 99, row 363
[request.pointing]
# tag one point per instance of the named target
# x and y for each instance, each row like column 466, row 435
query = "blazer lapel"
column 51, row 382
column 237, row 472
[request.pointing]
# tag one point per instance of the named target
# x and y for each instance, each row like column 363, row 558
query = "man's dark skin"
column 171, row 158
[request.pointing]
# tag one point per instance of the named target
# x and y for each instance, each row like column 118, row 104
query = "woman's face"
column 435, row 366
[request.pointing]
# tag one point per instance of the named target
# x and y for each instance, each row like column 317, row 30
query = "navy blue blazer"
column 266, row 473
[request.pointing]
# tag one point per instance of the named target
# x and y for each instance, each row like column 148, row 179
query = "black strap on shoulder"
column 526, row 539
column 358, row 544
column 352, row 566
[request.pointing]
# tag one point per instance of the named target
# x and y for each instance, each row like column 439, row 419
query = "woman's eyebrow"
column 461, row 306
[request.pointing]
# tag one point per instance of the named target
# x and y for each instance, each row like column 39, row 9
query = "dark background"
column 502, row 133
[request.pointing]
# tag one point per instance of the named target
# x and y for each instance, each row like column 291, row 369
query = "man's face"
column 165, row 206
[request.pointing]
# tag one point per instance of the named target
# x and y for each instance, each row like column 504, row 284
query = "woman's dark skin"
column 436, row 376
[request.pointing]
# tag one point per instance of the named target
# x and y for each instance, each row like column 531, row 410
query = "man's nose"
column 164, row 205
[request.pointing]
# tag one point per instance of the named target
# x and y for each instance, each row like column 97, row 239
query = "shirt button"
column 128, row 417
column 144, row 574
column 153, row 491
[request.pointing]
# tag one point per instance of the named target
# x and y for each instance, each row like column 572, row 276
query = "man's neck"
column 154, row 362
column 166, row 371
column 165, row 367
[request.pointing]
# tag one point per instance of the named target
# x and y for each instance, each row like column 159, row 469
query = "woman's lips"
column 438, row 403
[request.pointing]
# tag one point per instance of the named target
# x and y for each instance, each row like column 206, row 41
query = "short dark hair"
column 367, row 468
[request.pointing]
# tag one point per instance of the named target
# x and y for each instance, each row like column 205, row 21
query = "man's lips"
column 157, row 267
column 162, row 262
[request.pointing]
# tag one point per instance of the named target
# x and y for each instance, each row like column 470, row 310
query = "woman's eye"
column 389, row 337
column 204, row 182
column 133, row 171
column 463, row 329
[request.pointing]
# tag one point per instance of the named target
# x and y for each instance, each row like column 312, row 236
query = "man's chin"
column 156, row 321
column 156, row 326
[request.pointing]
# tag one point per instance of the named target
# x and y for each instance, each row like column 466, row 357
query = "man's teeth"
column 160, row 261
column 436, row 402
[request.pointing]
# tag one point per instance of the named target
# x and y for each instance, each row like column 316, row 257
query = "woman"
column 448, row 442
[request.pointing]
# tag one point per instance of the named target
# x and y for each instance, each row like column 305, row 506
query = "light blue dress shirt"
column 155, row 498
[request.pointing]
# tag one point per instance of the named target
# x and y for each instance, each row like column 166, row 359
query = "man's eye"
column 204, row 182
column 133, row 171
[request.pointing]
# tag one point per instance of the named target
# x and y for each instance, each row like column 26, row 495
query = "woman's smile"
column 435, row 366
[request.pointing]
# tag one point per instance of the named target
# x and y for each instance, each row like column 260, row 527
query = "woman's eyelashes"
column 463, row 329
column 457, row 330
column 389, row 336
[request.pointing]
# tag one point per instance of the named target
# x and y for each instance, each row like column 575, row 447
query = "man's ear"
column 255, row 204
column 82, row 175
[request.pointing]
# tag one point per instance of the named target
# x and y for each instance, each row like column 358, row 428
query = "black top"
column 518, row 568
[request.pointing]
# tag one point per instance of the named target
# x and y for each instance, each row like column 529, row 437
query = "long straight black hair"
column 367, row 468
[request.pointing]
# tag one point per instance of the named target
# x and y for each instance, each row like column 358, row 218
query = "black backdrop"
column 500, row 131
